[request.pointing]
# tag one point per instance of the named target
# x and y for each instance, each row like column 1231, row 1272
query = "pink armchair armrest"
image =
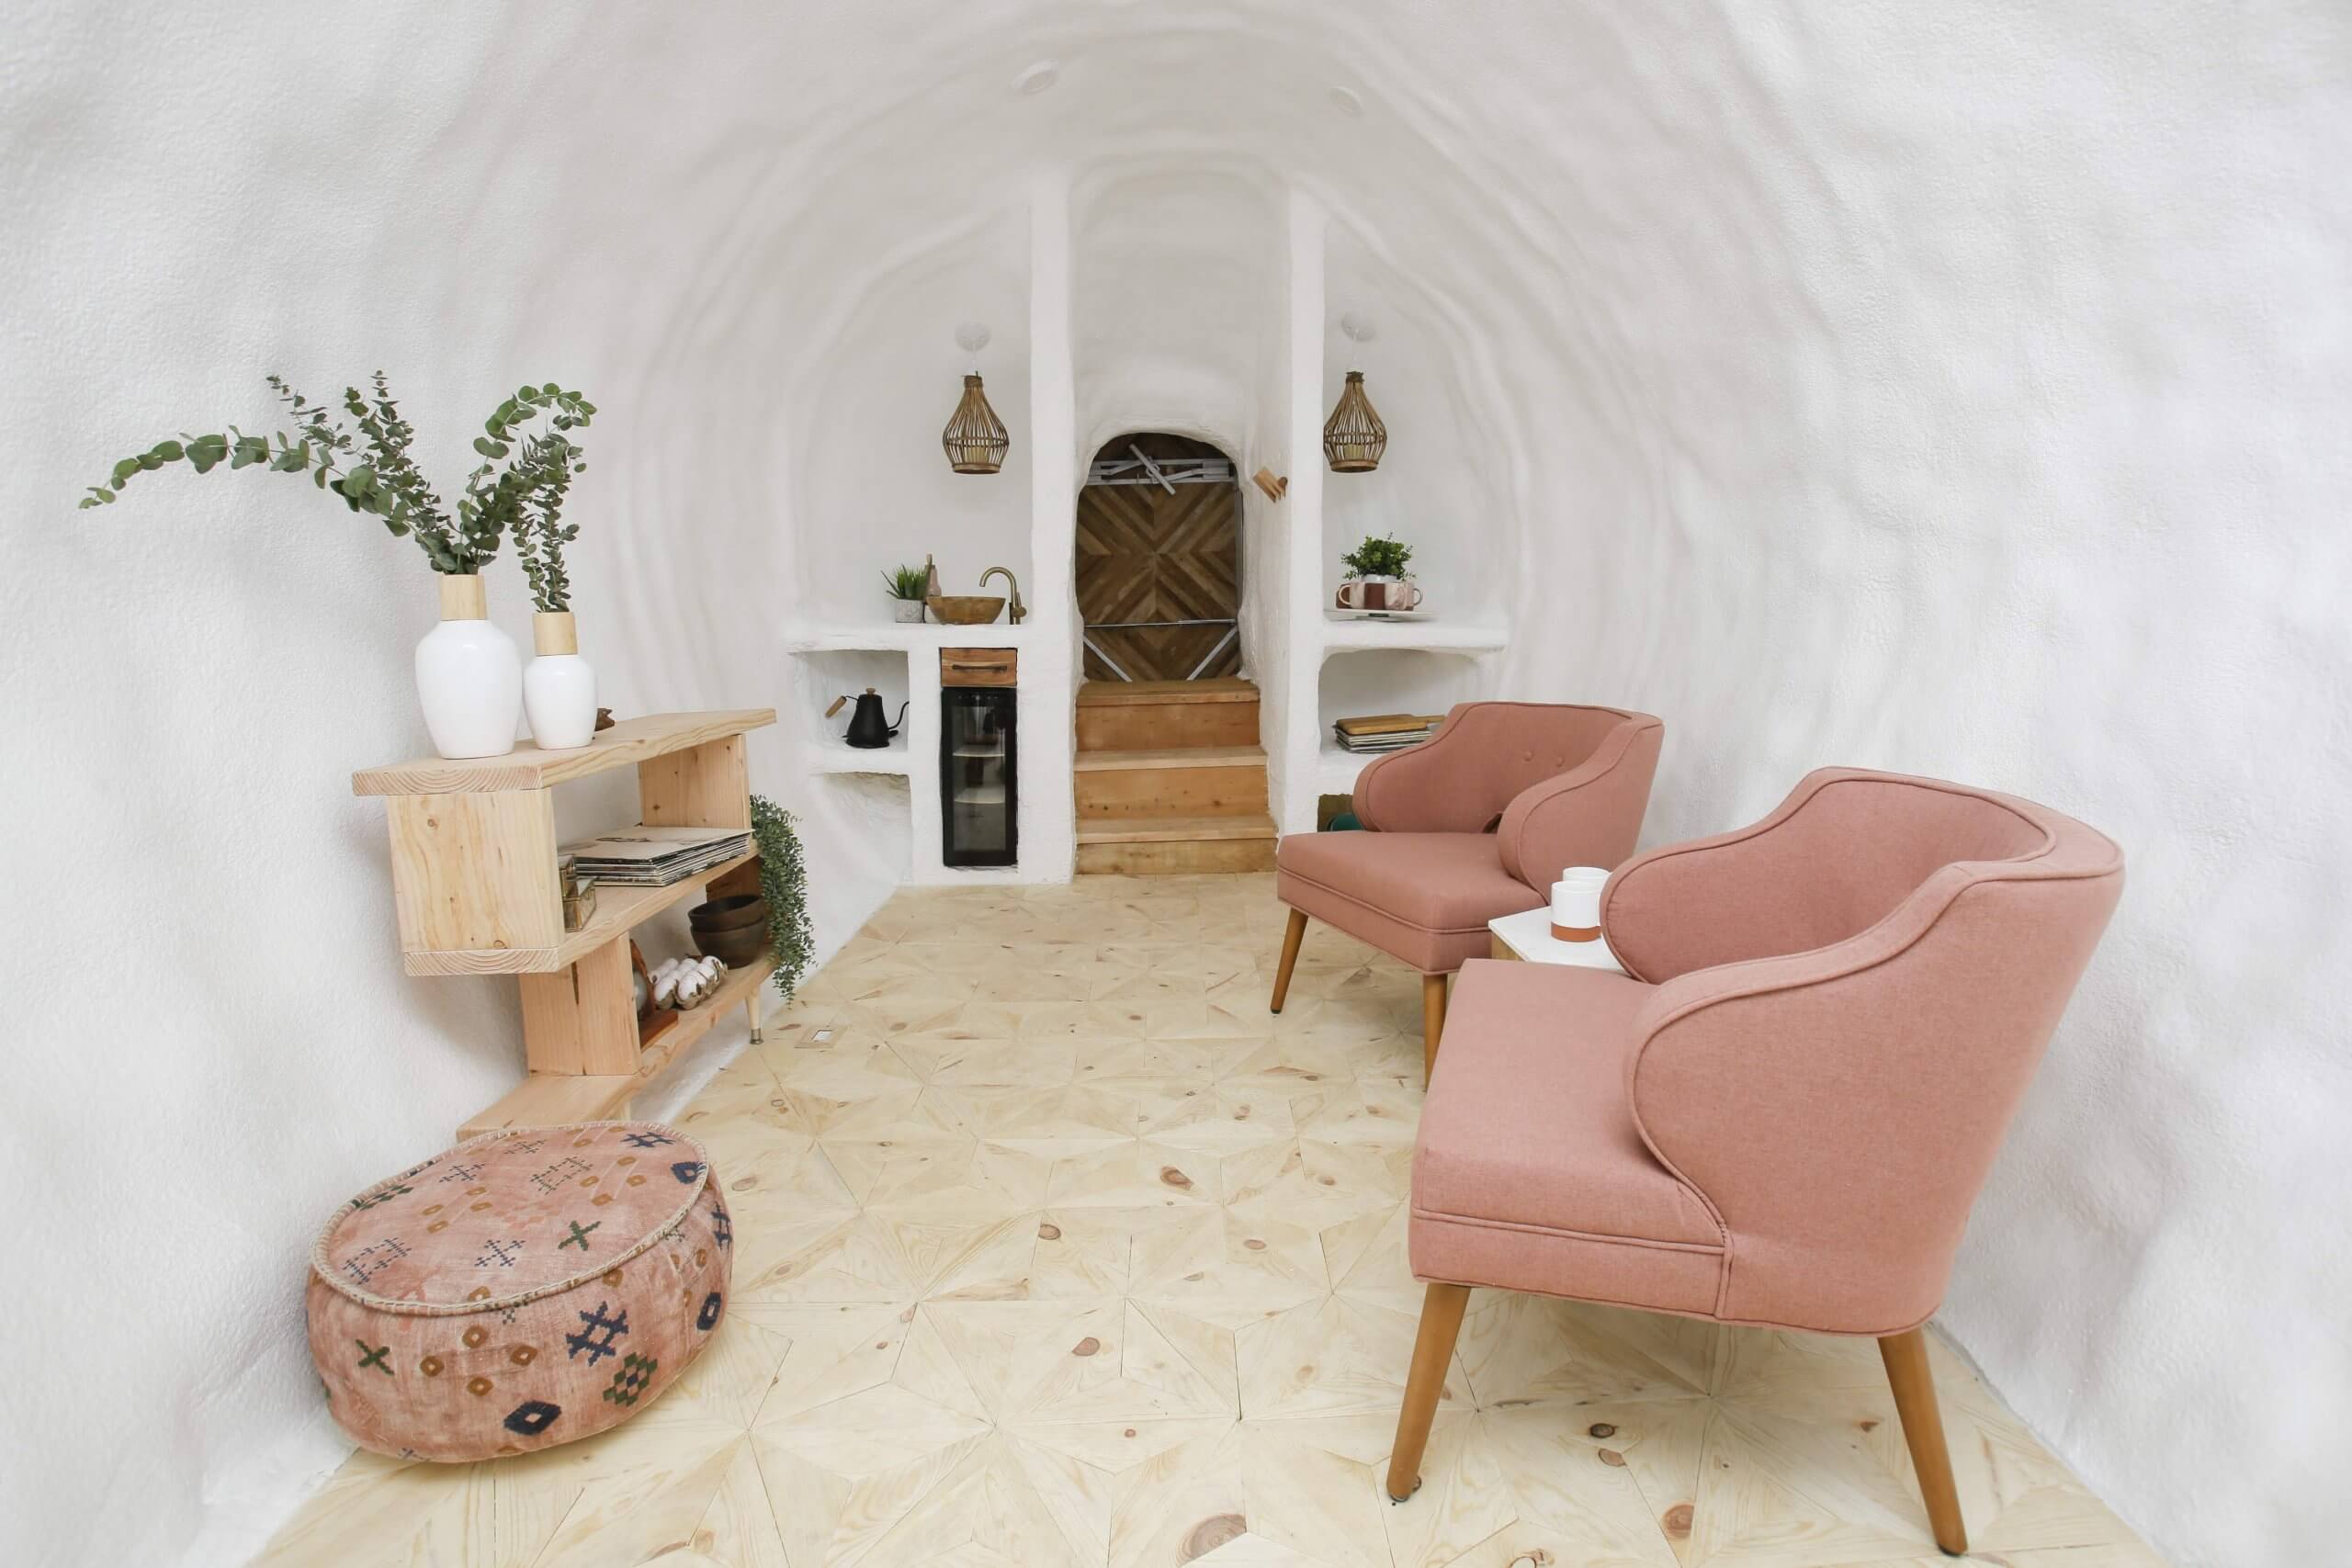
column 1562, row 779
column 1838, row 1107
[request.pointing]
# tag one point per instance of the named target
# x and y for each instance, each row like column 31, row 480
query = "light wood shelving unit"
column 475, row 891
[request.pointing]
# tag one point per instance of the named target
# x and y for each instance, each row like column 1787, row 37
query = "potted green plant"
column 784, row 886
column 559, row 686
column 1377, row 579
column 908, row 585
column 469, row 678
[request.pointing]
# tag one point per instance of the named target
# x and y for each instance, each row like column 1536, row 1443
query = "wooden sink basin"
column 965, row 609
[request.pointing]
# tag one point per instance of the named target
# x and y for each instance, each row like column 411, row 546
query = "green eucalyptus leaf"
column 127, row 467
column 490, row 448
column 169, row 451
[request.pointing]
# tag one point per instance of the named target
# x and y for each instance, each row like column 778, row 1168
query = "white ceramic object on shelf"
column 906, row 612
column 559, row 689
column 469, row 676
column 1575, row 903
column 1391, row 594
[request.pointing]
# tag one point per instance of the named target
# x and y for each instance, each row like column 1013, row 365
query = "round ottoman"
column 523, row 1289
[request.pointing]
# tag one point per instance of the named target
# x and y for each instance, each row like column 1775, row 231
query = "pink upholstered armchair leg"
column 1433, row 1353
column 1913, row 1383
column 1432, row 1022
column 1291, row 939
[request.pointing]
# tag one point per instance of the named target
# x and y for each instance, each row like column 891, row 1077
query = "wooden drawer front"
column 978, row 666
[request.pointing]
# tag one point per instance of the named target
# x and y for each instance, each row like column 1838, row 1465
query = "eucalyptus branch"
column 373, row 472
column 527, row 497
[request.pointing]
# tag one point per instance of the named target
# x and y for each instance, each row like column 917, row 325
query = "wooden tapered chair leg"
column 1433, row 1353
column 1913, row 1383
column 1432, row 1022
column 1290, row 958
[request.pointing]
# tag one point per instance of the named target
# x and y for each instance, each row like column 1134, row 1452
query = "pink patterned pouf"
column 523, row 1289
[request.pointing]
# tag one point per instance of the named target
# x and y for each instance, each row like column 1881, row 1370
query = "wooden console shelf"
column 551, row 1099
column 475, row 890
column 528, row 767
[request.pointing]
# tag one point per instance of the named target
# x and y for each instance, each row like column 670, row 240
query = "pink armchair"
column 1782, row 1112
column 1475, row 822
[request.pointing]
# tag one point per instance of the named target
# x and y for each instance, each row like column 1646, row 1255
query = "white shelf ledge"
column 1346, row 634
column 832, row 756
column 1336, row 770
column 890, row 637
column 1335, row 767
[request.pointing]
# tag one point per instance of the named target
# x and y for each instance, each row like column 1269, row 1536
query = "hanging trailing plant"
column 371, row 471
column 784, row 882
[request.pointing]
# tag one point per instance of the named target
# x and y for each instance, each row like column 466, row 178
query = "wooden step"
column 1176, row 846
column 1185, row 781
column 1138, row 715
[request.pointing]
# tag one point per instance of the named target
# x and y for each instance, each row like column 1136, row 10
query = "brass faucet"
column 1017, row 609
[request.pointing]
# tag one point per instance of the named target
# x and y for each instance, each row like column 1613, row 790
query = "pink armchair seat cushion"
column 1421, row 898
column 1532, row 1126
column 1530, row 1173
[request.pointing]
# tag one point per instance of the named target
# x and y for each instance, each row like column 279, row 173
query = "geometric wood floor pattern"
column 1054, row 1247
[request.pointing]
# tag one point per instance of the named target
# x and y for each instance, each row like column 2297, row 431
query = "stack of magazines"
column 1385, row 731
column 656, row 857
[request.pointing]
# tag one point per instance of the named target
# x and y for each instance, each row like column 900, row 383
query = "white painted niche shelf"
column 901, row 663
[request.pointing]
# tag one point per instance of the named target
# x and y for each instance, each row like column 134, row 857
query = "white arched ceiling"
column 1926, row 387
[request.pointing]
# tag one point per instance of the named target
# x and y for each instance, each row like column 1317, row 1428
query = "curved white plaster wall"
column 1908, row 385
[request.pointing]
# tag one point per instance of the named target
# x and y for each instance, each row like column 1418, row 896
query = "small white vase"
column 559, row 689
column 906, row 612
column 469, row 677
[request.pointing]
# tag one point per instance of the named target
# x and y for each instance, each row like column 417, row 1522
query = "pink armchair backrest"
column 1570, row 784
column 1856, row 992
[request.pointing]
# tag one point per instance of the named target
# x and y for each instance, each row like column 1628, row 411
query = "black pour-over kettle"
column 867, row 730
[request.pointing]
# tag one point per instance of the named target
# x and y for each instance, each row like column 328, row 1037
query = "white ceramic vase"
column 469, row 677
column 559, row 689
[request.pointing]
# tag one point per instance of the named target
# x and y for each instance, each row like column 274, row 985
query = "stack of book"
column 656, row 857
column 1385, row 731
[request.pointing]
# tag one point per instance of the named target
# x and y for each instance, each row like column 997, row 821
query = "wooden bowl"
column 734, row 948
column 729, row 914
column 966, row 609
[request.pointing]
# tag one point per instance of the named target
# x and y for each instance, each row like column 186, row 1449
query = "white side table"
column 1528, row 936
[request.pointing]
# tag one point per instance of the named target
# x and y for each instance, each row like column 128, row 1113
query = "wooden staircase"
column 1170, row 779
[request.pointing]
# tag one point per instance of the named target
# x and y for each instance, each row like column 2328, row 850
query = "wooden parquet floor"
column 1056, row 1248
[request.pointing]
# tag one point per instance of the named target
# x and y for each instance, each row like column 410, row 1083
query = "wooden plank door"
column 1159, row 572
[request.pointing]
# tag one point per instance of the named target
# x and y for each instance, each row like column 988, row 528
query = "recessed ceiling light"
column 1345, row 100
column 1036, row 79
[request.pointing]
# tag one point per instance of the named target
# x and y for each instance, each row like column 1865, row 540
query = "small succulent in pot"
column 1382, row 557
column 908, row 584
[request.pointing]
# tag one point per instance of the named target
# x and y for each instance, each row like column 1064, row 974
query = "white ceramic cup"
column 1575, row 903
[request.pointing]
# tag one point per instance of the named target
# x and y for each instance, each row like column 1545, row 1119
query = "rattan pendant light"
column 1354, row 437
column 975, row 438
